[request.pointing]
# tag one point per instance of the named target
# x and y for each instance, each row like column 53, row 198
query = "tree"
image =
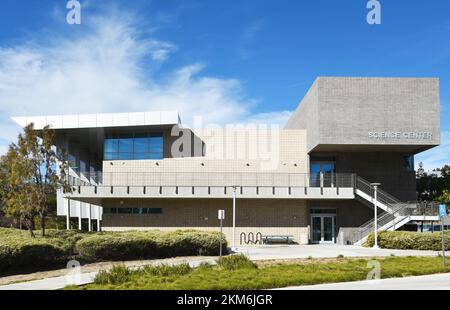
column 18, row 192
column 433, row 186
column 31, row 176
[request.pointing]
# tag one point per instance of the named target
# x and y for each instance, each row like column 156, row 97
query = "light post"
column 375, row 207
column 221, row 217
column 233, row 248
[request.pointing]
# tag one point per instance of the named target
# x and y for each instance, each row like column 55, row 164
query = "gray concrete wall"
column 306, row 116
column 355, row 111
column 386, row 168
column 350, row 213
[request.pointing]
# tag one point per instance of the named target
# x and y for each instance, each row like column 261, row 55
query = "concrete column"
column 89, row 218
column 79, row 216
column 68, row 214
column 98, row 219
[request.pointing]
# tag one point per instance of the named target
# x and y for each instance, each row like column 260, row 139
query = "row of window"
column 149, row 146
column 132, row 210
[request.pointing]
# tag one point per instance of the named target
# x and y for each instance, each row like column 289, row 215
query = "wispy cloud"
column 247, row 36
column 438, row 156
column 111, row 67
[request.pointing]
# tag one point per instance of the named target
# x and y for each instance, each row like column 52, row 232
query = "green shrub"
column 118, row 274
column 234, row 262
column 407, row 240
column 18, row 253
column 148, row 244
column 19, row 250
column 116, row 247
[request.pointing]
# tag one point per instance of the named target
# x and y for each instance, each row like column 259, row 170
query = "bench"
column 278, row 239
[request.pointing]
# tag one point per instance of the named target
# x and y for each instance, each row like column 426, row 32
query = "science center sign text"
column 401, row 135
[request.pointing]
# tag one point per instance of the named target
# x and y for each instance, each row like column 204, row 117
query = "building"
column 311, row 181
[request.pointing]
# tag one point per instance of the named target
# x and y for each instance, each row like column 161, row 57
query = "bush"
column 234, row 262
column 18, row 253
column 407, row 240
column 147, row 245
column 18, row 250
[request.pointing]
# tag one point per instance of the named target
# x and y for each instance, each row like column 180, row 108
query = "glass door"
column 328, row 229
column 322, row 229
column 316, row 228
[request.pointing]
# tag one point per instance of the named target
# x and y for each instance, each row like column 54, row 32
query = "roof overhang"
column 102, row 120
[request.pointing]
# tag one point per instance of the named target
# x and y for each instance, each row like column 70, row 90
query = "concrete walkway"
column 429, row 282
column 323, row 251
column 74, row 278
column 268, row 252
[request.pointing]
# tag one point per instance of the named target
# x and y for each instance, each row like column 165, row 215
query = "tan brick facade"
column 227, row 154
column 269, row 217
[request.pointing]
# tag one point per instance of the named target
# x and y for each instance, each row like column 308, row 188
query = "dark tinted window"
column 142, row 146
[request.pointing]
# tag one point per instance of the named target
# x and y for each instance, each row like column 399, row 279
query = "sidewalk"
column 59, row 282
column 428, row 282
column 323, row 251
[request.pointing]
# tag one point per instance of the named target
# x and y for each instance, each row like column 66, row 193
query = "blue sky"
column 226, row 60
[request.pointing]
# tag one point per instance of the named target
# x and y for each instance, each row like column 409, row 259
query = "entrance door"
column 322, row 229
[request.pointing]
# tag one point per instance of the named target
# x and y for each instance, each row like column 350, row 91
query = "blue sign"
column 442, row 210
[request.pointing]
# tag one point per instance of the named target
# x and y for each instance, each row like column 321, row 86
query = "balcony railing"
column 247, row 179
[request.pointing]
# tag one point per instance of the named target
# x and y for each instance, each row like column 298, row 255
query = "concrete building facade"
column 309, row 182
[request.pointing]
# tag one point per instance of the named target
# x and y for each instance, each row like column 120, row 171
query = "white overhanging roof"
column 101, row 120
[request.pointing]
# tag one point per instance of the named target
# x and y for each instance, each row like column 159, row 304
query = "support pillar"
column 68, row 214
column 98, row 219
column 89, row 218
column 79, row 216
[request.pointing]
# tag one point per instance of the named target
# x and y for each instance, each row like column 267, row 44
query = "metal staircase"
column 395, row 213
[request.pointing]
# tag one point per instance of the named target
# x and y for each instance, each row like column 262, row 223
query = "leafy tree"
column 433, row 186
column 31, row 177
column 18, row 192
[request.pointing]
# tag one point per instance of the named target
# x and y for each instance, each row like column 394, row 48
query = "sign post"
column 442, row 214
column 221, row 217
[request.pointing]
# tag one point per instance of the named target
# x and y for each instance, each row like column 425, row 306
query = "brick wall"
column 277, row 217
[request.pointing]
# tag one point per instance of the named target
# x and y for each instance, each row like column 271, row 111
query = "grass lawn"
column 239, row 273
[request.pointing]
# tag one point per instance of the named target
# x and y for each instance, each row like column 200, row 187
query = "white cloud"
column 111, row 67
column 436, row 157
column 279, row 118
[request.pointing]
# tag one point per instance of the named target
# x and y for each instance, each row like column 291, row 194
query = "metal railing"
column 382, row 196
column 243, row 179
column 397, row 210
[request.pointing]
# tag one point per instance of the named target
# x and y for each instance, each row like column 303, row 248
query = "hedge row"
column 146, row 245
column 18, row 250
column 407, row 240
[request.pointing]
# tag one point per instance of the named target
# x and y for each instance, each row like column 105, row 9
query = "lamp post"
column 233, row 248
column 375, row 207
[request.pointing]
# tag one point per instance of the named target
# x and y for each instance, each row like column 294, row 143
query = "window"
column 132, row 210
column 124, row 210
column 408, row 162
column 134, row 146
column 154, row 210
column 109, row 210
